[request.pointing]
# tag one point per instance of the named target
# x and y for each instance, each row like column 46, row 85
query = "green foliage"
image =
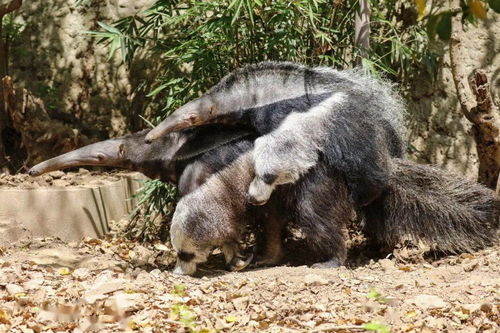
column 376, row 327
column 495, row 5
column 375, row 295
column 10, row 28
column 155, row 203
column 185, row 315
column 199, row 42
column 438, row 19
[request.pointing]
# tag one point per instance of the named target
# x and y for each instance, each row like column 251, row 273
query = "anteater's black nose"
column 32, row 173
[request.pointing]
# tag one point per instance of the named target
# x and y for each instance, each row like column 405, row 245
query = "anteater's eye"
column 185, row 256
column 269, row 178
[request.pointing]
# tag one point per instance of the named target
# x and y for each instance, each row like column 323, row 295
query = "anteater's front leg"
column 235, row 261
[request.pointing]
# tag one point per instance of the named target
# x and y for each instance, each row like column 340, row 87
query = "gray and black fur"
column 444, row 210
column 421, row 203
column 361, row 135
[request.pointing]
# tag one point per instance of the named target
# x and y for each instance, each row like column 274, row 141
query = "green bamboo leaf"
column 114, row 45
column 157, row 90
column 495, row 5
column 109, row 28
column 443, row 27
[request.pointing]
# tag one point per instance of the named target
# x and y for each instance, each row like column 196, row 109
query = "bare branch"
column 10, row 6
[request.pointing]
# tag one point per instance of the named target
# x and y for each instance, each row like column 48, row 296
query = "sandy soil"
column 82, row 178
column 117, row 285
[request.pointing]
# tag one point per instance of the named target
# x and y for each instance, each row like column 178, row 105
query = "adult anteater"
column 357, row 136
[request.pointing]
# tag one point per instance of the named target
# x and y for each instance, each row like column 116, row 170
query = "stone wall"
column 55, row 60
column 437, row 129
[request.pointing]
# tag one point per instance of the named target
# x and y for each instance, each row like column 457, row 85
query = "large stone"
column 69, row 213
column 428, row 302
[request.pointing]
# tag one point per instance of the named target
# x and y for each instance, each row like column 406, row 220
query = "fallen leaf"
column 4, row 318
column 231, row 319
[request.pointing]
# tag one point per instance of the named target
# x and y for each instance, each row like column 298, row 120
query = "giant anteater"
column 357, row 136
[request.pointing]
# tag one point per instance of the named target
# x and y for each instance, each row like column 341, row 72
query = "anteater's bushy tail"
column 445, row 211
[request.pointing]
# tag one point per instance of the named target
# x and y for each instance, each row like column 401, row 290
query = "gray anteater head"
column 127, row 152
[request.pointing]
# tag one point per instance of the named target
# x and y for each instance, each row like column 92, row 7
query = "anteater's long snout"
column 173, row 123
column 102, row 153
column 190, row 115
column 33, row 172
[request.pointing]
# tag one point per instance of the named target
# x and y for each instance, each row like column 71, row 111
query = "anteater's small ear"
column 121, row 150
column 212, row 109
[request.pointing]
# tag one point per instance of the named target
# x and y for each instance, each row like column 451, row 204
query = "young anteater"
column 217, row 212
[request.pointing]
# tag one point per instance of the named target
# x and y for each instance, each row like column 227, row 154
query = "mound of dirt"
column 82, row 178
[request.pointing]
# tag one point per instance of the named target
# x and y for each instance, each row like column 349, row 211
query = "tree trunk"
column 362, row 28
column 477, row 106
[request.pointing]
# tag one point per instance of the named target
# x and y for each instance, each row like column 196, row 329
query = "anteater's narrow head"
column 127, row 152
column 104, row 153
column 191, row 249
column 232, row 99
column 195, row 113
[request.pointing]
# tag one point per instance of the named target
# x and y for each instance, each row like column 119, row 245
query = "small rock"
column 426, row 302
column 161, row 247
column 14, row 289
column 33, row 284
column 107, row 319
column 56, row 174
column 99, row 291
column 83, row 171
column 141, row 256
column 124, row 302
column 387, row 264
column 471, row 308
column 81, row 273
column 46, row 317
column 60, row 183
column 471, row 266
column 315, row 280
column 156, row 273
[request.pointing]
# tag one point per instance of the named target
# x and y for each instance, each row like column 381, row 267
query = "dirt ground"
column 82, row 178
column 117, row 285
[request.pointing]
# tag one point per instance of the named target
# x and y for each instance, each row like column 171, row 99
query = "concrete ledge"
column 70, row 213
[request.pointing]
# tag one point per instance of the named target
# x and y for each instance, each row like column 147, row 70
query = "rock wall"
column 57, row 61
column 438, row 132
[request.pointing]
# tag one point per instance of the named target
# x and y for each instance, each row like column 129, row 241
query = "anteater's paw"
column 238, row 263
column 259, row 192
column 332, row 263
column 267, row 261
